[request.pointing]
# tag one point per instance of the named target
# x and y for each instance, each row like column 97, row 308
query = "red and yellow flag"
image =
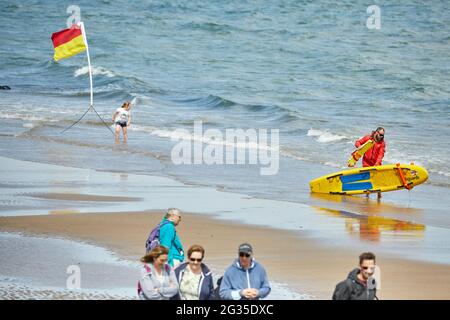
column 68, row 42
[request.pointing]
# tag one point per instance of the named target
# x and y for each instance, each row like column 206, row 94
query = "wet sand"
column 307, row 266
column 81, row 197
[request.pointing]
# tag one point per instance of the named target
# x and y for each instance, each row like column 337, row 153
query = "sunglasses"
column 365, row 268
column 242, row 254
column 196, row 260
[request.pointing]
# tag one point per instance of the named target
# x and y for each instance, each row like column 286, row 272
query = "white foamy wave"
column 184, row 135
column 95, row 71
column 324, row 136
column 447, row 174
column 179, row 135
column 28, row 125
column 439, row 172
column 394, row 156
column 137, row 96
column 25, row 117
column 134, row 102
column 281, row 291
column 292, row 153
column 138, row 128
column 335, row 165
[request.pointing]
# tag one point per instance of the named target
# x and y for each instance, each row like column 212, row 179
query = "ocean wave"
column 335, row 165
column 26, row 117
column 188, row 136
column 28, row 125
column 440, row 172
column 324, row 136
column 95, row 71
column 204, row 120
column 284, row 117
column 275, row 113
column 293, row 154
column 117, row 86
column 210, row 27
column 210, row 101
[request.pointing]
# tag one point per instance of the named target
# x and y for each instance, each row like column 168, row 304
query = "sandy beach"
column 234, row 108
column 305, row 265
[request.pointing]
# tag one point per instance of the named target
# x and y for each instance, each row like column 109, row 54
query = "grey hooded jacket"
column 149, row 282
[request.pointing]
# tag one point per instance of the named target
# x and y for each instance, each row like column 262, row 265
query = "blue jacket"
column 236, row 279
column 168, row 238
column 206, row 285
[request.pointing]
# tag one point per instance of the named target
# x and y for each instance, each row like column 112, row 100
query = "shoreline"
column 306, row 266
column 30, row 189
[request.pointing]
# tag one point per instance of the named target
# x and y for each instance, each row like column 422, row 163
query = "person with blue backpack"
column 168, row 236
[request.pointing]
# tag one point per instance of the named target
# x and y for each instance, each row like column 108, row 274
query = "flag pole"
column 83, row 32
column 91, row 105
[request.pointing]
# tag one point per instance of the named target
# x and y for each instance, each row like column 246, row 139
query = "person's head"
column 126, row 105
column 157, row 256
column 378, row 134
column 245, row 252
column 367, row 264
column 174, row 215
column 195, row 254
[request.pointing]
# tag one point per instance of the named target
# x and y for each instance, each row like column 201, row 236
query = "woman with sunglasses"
column 194, row 277
column 158, row 281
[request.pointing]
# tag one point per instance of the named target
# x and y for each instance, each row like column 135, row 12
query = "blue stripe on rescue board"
column 356, row 186
column 355, row 177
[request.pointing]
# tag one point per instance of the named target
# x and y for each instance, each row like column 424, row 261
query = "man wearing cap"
column 245, row 279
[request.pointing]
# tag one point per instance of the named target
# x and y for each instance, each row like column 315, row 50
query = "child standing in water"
column 122, row 119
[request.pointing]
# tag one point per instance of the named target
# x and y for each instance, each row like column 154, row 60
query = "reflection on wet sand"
column 63, row 211
column 362, row 205
column 372, row 228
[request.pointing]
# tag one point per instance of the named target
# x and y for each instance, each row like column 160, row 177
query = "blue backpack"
column 153, row 238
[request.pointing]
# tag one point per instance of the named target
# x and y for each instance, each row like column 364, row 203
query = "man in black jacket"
column 359, row 284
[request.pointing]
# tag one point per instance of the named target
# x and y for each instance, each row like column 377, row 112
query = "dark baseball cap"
column 245, row 248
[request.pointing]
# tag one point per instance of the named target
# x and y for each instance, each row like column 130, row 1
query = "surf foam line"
column 213, row 147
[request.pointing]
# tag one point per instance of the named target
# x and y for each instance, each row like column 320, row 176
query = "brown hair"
column 154, row 254
column 126, row 104
column 196, row 248
column 366, row 256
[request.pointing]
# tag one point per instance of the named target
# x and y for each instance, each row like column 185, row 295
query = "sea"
column 317, row 72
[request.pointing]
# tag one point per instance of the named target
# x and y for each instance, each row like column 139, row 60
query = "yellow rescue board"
column 388, row 177
column 358, row 153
